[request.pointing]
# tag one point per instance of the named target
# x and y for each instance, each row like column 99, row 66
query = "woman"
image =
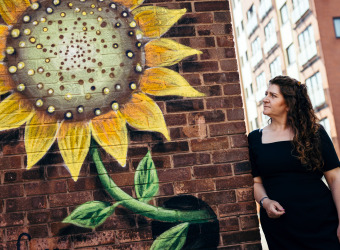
column 288, row 159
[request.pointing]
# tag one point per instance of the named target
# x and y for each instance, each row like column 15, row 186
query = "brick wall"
column 207, row 156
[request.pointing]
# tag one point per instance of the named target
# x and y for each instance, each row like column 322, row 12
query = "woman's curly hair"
column 302, row 119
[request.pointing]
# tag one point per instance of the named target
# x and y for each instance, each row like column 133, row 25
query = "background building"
column 298, row 38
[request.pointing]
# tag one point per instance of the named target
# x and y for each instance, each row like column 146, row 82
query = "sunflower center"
column 75, row 60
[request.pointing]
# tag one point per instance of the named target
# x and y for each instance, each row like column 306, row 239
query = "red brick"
column 69, row 199
column 227, row 128
column 13, row 233
column 199, row 131
column 204, row 66
column 245, row 194
column 166, row 189
column 203, row 159
column 227, row 77
column 58, row 227
column 10, row 191
column 209, row 54
column 225, row 41
column 212, row 171
column 160, row 162
column 211, row 6
column 194, row 186
column 234, row 182
column 123, row 179
column 232, row 89
column 229, row 65
column 214, row 29
column 11, row 219
column 11, row 162
column 238, row 237
column 183, row 160
column 230, row 155
column 175, row 120
column 170, row 147
column 210, row 144
column 170, row 175
column 199, row 43
column 207, row 116
column 196, row 18
column 222, row 17
column 58, row 214
column 249, row 222
column 242, row 168
column 224, row 102
column 88, row 183
column 46, row 187
column 229, row 224
column 57, row 172
column 218, row 198
column 184, row 105
column 239, row 141
column 230, row 209
column 39, row 231
column 137, row 151
column 181, row 31
column 235, row 114
column 93, row 239
column 14, row 148
column 134, row 235
column 38, row 217
column 142, row 245
column 24, row 204
column 193, row 79
column 214, row 90
column 63, row 242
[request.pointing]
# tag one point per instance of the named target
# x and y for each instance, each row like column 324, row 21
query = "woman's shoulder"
column 254, row 135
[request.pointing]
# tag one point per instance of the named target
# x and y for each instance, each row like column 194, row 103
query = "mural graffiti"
column 78, row 72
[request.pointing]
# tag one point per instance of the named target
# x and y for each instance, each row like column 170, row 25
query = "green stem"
column 158, row 213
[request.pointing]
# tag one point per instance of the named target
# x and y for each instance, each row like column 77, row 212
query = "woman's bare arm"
column 273, row 208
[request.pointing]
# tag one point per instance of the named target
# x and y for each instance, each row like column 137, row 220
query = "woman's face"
column 274, row 104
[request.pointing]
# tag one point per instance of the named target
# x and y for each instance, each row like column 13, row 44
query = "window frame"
column 337, row 36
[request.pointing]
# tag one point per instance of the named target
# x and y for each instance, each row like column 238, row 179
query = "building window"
column 261, row 85
column 291, row 55
column 275, row 68
column 315, row 90
column 307, row 45
column 300, row 7
column 252, row 20
column 270, row 34
column 284, row 14
column 256, row 52
column 336, row 21
column 325, row 123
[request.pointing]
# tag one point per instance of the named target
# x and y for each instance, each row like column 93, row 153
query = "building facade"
column 298, row 38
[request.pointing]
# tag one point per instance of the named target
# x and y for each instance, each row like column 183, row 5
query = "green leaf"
column 91, row 214
column 173, row 239
column 146, row 179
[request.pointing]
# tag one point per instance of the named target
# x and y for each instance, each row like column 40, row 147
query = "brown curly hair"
column 302, row 119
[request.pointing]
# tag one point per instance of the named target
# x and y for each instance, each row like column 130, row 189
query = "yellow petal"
column 3, row 38
column 11, row 10
column 6, row 82
column 155, row 21
column 144, row 114
column 13, row 113
column 110, row 132
column 163, row 81
column 40, row 133
column 131, row 4
column 166, row 52
column 74, row 141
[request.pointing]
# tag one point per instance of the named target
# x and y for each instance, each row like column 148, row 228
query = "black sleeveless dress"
column 310, row 220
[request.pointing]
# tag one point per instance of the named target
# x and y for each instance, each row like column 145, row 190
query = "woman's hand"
column 275, row 210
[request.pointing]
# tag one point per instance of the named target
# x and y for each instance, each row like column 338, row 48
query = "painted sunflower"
column 72, row 69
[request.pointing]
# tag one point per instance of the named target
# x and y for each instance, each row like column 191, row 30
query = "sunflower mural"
column 73, row 70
